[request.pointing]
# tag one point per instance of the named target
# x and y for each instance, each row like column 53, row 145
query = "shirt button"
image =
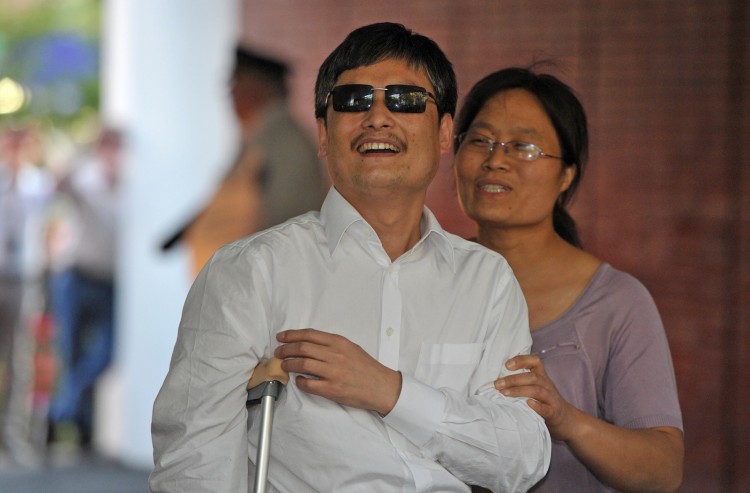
column 389, row 331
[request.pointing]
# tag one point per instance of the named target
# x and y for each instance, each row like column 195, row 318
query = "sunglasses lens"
column 399, row 98
column 406, row 99
column 352, row 98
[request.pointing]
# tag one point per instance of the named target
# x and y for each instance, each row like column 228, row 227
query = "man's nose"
column 378, row 115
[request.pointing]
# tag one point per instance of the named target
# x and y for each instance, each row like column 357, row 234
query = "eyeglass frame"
column 371, row 97
column 492, row 145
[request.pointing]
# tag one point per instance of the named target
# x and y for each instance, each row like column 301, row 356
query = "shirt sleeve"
column 484, row 439
column 199, row 426
column 640, row 390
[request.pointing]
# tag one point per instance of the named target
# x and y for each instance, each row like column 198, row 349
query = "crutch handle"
column 267, row 371
column 264, row 387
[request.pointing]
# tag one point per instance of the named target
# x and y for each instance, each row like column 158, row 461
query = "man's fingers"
column 303, row 349
column 307, row 366
column 309, row 335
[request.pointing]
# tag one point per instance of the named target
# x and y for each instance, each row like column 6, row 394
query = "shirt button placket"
column 390, row 319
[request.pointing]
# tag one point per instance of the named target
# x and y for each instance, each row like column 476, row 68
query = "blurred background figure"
column 276, row 175
column 25, row 192
column 82, row 285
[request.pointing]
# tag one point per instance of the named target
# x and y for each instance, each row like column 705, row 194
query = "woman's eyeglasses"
column 399, row 98
column 515, row 149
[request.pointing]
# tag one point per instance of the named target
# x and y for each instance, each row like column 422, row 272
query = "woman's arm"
column 639, row 460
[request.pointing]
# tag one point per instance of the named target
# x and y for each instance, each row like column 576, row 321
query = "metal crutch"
column 264, row 387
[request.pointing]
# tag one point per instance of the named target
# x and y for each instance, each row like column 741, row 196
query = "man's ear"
column 322, row 137
column 446, row 134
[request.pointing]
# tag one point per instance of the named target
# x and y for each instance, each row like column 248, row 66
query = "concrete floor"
column 83, row 474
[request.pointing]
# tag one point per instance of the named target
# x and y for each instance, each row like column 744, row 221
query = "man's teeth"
column 377, row 146
column 493, row 188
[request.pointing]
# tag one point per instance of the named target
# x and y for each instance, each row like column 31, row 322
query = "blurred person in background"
column 82, row 284
column 600, row 372
column 277, row 173
column 25, row 193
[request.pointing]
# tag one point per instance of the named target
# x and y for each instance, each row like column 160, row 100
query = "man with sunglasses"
column 391, row 328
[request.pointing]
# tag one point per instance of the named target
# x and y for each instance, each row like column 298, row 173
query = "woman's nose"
column 496, row 159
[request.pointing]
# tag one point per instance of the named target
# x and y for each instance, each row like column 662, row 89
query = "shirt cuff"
column 418, row 411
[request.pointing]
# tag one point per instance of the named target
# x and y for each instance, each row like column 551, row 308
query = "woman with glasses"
column 600, row 372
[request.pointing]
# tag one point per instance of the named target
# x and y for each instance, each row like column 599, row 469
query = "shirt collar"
column 337, row 215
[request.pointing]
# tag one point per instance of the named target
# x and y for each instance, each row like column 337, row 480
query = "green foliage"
column 25, row 19
column 35, row 37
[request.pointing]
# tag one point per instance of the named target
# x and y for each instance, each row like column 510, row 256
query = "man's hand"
column 545, row 399
column 333, row 367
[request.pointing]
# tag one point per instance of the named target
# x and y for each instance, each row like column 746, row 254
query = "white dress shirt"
column 447, row 314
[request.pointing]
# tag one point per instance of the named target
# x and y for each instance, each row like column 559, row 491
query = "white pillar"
column 165, row 72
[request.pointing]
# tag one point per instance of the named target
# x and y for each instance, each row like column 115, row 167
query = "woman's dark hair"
column 564, row 110
column 386, row 40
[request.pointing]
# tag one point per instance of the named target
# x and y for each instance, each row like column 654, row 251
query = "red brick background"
column 666, row 85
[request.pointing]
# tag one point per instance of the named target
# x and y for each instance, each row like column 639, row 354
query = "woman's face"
column 498, row 190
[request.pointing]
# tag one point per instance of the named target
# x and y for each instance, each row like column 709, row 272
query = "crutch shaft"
column 264, row 443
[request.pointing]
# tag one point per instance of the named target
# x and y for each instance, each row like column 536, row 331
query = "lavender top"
column 608, row 356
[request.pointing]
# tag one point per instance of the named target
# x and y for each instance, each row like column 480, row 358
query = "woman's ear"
column 568, row 175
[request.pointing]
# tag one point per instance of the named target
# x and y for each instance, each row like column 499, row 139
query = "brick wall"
column 667, row 192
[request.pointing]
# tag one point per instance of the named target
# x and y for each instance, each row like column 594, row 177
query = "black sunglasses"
column 399, row 98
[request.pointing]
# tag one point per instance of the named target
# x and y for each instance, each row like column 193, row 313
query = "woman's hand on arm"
column 542, row 393
column 638, row 460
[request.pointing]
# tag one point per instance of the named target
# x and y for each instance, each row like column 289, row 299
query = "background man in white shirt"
column 391, row 327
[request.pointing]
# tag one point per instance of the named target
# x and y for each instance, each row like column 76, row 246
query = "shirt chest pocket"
column 448, row 365
column 568, row 366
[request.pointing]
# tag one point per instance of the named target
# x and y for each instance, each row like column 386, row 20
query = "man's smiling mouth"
column 377, row 147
